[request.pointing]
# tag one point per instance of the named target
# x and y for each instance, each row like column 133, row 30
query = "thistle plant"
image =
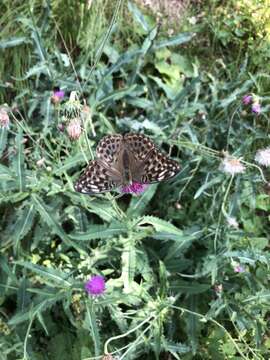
column 178, row 268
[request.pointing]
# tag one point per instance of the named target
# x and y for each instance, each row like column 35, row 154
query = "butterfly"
column 123, row 160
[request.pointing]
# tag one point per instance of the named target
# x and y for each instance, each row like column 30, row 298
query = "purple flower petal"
column 59, row 93
column 95, row 285
column 134, row 188
column 247, row 99
column 256, row 108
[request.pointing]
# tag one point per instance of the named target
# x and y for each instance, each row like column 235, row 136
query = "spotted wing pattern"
column 146, row 164
column 108, row 148
column 158, row 167
column 96, row 179
column 139, row 145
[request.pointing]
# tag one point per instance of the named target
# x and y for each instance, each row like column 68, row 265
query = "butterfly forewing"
column 96, row 179
column 139, row 145
column 108, row 148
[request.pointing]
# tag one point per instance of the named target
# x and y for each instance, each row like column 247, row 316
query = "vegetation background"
column 187, row 263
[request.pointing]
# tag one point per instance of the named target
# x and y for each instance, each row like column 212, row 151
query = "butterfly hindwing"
column 158, row 167
column 108, row 148
column 96, row 179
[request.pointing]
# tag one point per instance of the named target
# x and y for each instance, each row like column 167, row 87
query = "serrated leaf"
column 175, row 347
column 100, row 232
column 43, row 304
column 23, row 223
column 36, row 70
column 160, row 225
column 48, row 274
column 91, row 324
column 47, row 216
column 192, row 323
column 5, row 174
column 128, row 264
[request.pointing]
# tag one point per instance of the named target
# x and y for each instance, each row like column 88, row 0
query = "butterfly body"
column 123, row 160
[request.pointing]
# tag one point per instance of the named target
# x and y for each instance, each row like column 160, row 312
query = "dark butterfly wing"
column 139, row 145
column 96, row 179
column 108, row 148
column 158, row 167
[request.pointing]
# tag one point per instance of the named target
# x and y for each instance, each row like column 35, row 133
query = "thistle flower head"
column 256, row 108
column 246, row 100
column 57, row 96
column 74, row 129
column 262, row 157
column 95, row 285
column 232, row 166
column 134, row 188
column 4, row 118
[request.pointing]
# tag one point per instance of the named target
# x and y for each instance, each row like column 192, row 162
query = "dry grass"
column 172, row 10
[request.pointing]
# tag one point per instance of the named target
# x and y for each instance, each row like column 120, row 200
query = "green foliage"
column 170, row 256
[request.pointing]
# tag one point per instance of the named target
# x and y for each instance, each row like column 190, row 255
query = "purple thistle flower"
column 246, row 100
column 95, row 285
column 57, row 96
column 256, row 108
column 59, row 93
column 134, row 188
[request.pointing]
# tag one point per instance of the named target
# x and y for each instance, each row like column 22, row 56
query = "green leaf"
column 115, row 95
column 48, row 274
column 138, row 204
column 128, row 264
column 160, row 225
column 100, row 232
column 192, row 323
column 14, row 41
column 207, row 185
column 69, row 163
column 43, row 304
column 19, row 160
column 179, row 39
column 23, row 223
column 91, row 324
column 189, row 287
column 175, row 347
column 3, row 140
column 138, row 16
column 47, row 216
column 5, row 174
